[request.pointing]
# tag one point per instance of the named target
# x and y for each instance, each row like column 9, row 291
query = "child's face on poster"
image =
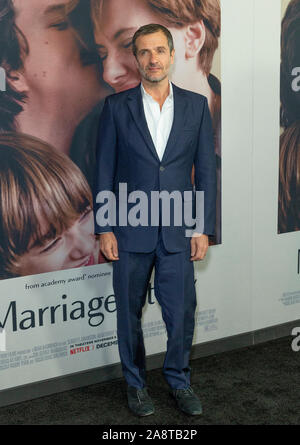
column 75, row 247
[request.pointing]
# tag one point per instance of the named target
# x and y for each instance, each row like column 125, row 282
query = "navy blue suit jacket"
column 126, row 154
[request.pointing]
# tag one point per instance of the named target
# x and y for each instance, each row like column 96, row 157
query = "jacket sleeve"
column 105, row 168
column 205, row 175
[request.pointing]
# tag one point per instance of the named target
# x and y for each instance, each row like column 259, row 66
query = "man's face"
column 118, row 22
column 53, row 70
column 153, row 56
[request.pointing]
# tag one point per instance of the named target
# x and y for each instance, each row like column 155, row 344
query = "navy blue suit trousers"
column 175, row 292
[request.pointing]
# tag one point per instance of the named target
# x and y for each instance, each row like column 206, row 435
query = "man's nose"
column 113, row 70
column 153, row 58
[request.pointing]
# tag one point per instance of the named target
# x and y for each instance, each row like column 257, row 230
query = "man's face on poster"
column 53, row 70
column 113, row 35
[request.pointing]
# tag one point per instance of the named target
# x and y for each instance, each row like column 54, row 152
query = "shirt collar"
column 146, row 95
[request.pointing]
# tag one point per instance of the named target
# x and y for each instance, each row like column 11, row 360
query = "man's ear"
column 172, row 56
column 17, row 80
column 194, row 39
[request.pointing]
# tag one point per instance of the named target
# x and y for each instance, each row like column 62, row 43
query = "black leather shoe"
column 139, row 401
column 187, row 401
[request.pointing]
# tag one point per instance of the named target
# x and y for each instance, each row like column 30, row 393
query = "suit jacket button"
column 161, row 168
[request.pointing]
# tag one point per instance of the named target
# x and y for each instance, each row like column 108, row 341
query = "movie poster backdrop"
column 59, row 60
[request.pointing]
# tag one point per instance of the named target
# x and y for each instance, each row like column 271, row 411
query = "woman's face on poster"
column 113, row 35
column 53, row 71
column 75, row 247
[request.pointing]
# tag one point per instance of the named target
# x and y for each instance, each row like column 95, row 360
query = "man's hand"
column 199, row 246
column 109, row 246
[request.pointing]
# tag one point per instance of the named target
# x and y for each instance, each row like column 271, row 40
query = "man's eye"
column 61, row 26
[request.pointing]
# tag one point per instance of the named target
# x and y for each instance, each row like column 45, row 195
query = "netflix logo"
column 81, row 349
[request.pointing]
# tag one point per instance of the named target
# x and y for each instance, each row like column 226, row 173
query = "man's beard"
column 150, row 79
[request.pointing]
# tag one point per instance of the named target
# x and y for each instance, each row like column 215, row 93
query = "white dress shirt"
column 159, row 121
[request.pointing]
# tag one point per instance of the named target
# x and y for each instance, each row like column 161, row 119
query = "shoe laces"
column 142, row 395
column 185, row 392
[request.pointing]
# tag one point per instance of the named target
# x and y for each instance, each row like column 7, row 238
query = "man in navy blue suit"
column 149, row 139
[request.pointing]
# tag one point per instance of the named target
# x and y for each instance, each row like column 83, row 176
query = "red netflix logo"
column 81, row 349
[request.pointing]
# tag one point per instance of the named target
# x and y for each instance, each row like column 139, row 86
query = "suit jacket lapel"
column 180, row 106
column 135, row 104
